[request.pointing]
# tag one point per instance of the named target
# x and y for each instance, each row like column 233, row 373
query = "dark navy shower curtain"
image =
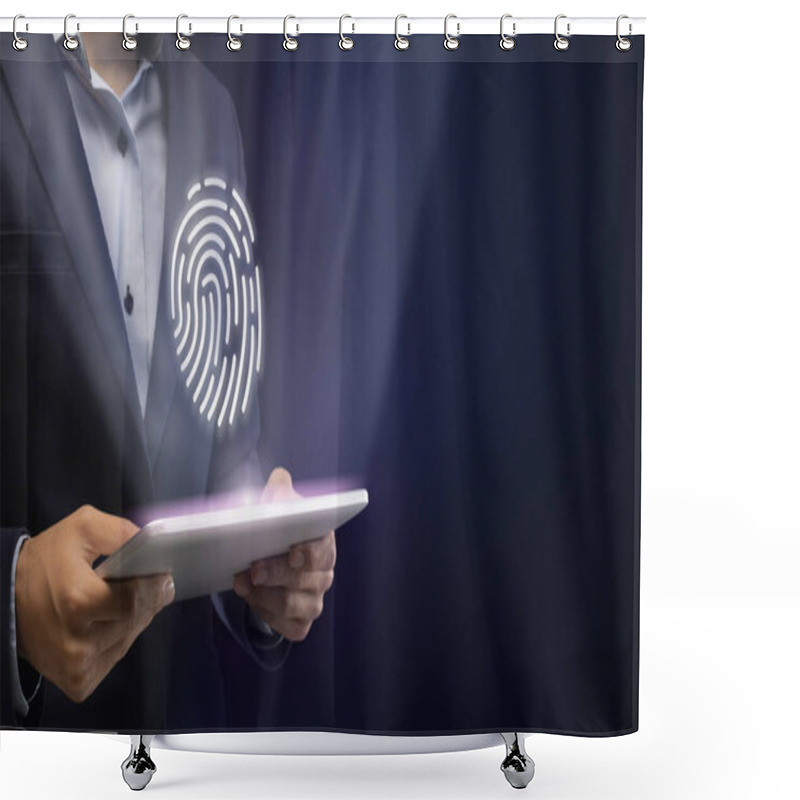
column 449, row 245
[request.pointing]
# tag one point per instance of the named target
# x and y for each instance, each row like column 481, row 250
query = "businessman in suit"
column 97, row 150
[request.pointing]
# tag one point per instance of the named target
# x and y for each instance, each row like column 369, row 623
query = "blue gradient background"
column 451, row 244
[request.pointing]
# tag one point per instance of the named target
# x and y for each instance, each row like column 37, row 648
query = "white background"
column 721, row 442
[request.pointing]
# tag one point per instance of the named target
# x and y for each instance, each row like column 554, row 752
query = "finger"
column 242, row 584
column 110, row 641
column 103, row 636
column 127, row 600
column 279, row 487
column 279, row 573
column 270, row 571
column 283, row 605
column 91, row 599
column 106, row 634
column 102, row 533
column 319, row 554
column 121, row 637
column 294, row 630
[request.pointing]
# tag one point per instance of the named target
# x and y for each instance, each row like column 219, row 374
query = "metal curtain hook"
column 507, row 42
column 623, row 44
column 19, row 43
column 181, row 42
column 70, row 42
column 128, row 42
column 561, row 43
column 233, row 43
column 289, row 43
column 400, row 42
column 451, row 42
column 345, row 42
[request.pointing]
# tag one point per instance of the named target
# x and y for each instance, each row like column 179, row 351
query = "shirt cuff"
column 20, row 697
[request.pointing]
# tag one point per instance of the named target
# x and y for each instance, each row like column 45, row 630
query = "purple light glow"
column 239, row 498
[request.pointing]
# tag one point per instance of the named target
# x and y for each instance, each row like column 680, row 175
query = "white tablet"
column 204, row 551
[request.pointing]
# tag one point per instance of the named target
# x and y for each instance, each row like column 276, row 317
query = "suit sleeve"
column 19, row 683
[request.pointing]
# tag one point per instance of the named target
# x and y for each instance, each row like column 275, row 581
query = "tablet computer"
column 204, row 551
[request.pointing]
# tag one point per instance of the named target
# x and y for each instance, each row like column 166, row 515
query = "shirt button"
column 122, row 142
column 128, row 302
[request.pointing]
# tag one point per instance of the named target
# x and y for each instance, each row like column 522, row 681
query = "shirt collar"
column 149, row 49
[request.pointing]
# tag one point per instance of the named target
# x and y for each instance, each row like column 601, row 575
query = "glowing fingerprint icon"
column 215, row 301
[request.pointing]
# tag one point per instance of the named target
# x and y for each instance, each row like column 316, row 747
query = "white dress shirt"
column 125, row 143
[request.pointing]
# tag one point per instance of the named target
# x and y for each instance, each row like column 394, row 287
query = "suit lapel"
column 39, row 91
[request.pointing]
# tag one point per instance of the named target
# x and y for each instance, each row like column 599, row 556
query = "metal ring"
column 128, row 42
column 451, row 42
column 19, row 43
column 234, row 44
column 623, row 44
column 507, row 42
column 561, row 43
column 400, row 42
column 70, row 42
column 181, row 42
column 289, row 43
column 345, row 42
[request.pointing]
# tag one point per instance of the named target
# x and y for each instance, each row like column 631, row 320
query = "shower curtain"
column 437, row 254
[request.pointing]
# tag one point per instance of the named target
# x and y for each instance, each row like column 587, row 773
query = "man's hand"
column 287, row 591
column 72, row 626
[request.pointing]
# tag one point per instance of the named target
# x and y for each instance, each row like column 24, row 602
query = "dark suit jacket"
column 72, row 429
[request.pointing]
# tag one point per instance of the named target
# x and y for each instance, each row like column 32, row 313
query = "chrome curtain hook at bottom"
column 233, row 44
column 129, row 42
column 70, row 42
column 19, row 43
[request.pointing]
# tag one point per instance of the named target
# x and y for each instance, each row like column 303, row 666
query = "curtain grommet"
column 233, row 44
column 451, row 42
column 70, row 42
column 561, row 43
column 507, row 42
column 19, row 43
column 290, row 44
column 622, row 44
column 129, row 42
column 345, row 42
column 181, row 41
column 401, row 42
